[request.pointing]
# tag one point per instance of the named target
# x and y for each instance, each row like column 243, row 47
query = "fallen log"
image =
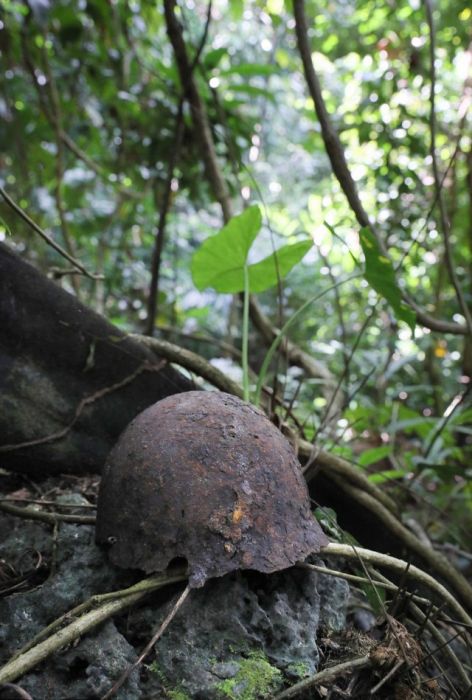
column 70, row 381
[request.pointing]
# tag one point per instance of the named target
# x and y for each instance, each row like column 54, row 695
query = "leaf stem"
column 245, row 334
column 278, row 339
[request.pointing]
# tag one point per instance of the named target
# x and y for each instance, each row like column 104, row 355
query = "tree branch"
column 341, row 170
column 445, row 223
column 295, row 355
column 23, row 215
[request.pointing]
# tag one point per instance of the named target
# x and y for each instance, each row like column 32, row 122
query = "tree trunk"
column 69, row 380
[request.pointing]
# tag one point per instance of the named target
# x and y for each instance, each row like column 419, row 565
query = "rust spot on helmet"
column 187, row 478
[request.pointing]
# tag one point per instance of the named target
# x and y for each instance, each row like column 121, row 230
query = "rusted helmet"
column 205, row 476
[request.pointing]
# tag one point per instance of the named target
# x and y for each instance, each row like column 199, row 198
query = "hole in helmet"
column 178, row 563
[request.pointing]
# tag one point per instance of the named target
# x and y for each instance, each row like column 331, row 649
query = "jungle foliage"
column 100, row 148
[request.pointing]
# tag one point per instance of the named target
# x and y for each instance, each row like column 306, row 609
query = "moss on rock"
column 256, row 678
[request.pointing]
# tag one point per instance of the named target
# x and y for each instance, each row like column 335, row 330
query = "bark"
column 69, row 380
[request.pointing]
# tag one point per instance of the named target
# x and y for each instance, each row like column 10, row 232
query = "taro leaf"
column 265, row 274
column 380, row 274
column 219, row 263
column 220, row 260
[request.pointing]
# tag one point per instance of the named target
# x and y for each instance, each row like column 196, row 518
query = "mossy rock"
column 255, row 679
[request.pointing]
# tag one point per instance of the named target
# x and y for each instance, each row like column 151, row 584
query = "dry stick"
column 203, row 130
column 109, row 604
column 23, row 215
column 20, row 693
column 331, row 463
column 446, row 418
column 341, row 170
column 439, row 564
column 387, row 677
column 150, row 644
column 53, row 518
column 201, row 338
column 444, row 644
column 328, row 675
column 354, row 578
column 433, row 630
column 197, row 107
column 425, row 621
column 40, row 502
column 445, row 224
column 191, row 361
column 379, row 559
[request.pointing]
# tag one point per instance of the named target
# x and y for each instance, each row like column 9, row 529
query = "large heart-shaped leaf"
column 220, row 261
column 380, row 274
column 266, row 273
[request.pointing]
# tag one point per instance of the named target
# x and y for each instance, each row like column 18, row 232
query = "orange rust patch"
column 238, row 513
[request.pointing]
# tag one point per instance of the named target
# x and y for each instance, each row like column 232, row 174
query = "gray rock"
column 239, row 637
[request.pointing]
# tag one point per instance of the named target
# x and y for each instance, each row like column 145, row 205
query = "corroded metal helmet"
column 205, row 476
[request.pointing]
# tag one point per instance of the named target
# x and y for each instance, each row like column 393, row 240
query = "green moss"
column 256, row 678
column 157, row 671
column 177, row 695
column 299, row 670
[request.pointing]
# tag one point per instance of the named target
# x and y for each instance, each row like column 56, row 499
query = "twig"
column 23, row 215
column 447, row 417
column 108, row 604
column 200, row 338
column 32, row 514
column 326, row 676
column 379, row 559
column 439, row 564
column 40, row 502
column 354, row 578
column 191, row 361
column 442, row 642
column 392, row 672
column 19, row 693
column 182, row 598
column 199, row 115
column 334, row 464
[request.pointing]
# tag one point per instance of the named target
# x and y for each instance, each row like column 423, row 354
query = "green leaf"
column 380, row 274
column 253, row 91
column 251, row 69
column 212, row 58
column 220, row 260
column 266, row 273
column 236, row 9
column 387, row 475
column 374, row 455
column 219, row 263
